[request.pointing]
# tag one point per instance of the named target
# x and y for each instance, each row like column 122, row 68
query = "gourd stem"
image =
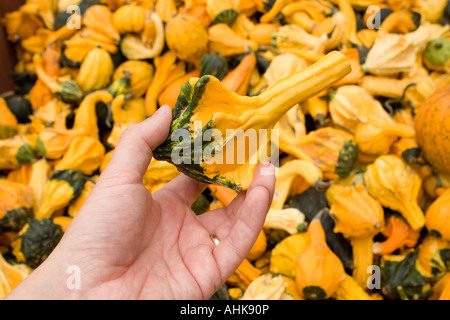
column 362, row 259
column 285, row 94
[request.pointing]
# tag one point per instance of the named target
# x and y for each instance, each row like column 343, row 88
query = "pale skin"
column 130, row 244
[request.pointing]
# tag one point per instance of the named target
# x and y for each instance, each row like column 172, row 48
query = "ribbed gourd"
column 130, row 19
column 396, row 186
column 206, row 104
column 36, row 240
column 318, row 271
column 62, row 187
column 96, row 70
column 359, row 218
column 84, row 154
column 431, row 127
column 140, row 74
column 8, row 122
column 438, row 212
column 222, row 11
column 16, row 205
column 187, row 38
column 213, row 64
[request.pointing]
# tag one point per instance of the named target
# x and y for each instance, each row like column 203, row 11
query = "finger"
column 186, row 188
column 248, row 221
column 133, row 153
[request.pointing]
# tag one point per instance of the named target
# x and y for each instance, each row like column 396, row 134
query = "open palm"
column 130, row 244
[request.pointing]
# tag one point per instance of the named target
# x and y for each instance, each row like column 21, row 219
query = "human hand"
column 130, row 244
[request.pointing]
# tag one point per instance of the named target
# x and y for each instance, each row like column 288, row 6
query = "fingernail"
column 267, row 169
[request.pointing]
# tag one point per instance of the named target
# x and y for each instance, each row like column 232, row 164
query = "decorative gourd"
column 351, row 105
column 399, row 236
column 267, row 287
column 84, row 154
column 205, row 102
column 8, row 122
column 62, row 187
column 432, row 129
column 349, row 289
column 262, row 33
column 332, row 150
column 170, row 94
column 158, row 174
column 64, row 88
column 439, row 287
column 100, row 19
column 407, row 149
column 285, row 252
column 198, row 11
column 213, row 65
column 290, row 127
column 187, row 38
column 258, row 248
column 134, row 47
column 125, row 113
column 166, row 9
column 129, row 19
column 396, row 186
column 86, row 116
column 238, row 79
column 11, row 275
column 140, row 74
column 437, row 214
column 433, row 259
column 287, row 174
column 226, row 42
column 96, row 70
column 317, row 107
column 374, row 138
column 318, row 271
column 437, row 54
column 14, row 152
column 36, row 241
column 222, row 11
column 245, row 274
column 41, row 171
column 167, row 70
column 290, row 220
column 16, row 205
column 76, row 205
column 401, row 279
column 55, row 142
column 359, row 217
column 292, row 36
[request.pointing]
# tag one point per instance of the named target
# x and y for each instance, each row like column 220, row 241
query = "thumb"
column 134, row 151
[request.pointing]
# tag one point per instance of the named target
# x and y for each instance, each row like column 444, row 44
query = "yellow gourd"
column 96, row 70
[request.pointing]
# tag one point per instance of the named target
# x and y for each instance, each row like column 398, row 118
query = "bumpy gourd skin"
column 206, row 101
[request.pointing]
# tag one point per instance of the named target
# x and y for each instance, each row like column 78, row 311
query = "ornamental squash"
column 167, row 70
column 437, row 215
column 36, row 241
column 140, row 74
column 396, row 186
column 213, row 65
column 332, row 150
column 226, row 42
column 187, row 38
column 8, row 122
column 267, row 287
column 375, row 138
column 206, row 104
column 76, row 205
column 100, row 19
column 318, row 271
column 62, row 187
column 437, row 54
column 96, row 70
column 134, row 47
column 15, row 151
column 125, row 113
column 285, row 252
column 433, row 259
column 290, row 220
column 84, row 154
column 130, row 19
column 351, row 105
column 222, row 11
column 16, row 205
column 359, row 217
column 432, row 133
column 56, row 142
column 170, row 94
column 238, row 79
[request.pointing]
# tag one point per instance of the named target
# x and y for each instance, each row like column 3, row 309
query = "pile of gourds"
column 358, row 90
